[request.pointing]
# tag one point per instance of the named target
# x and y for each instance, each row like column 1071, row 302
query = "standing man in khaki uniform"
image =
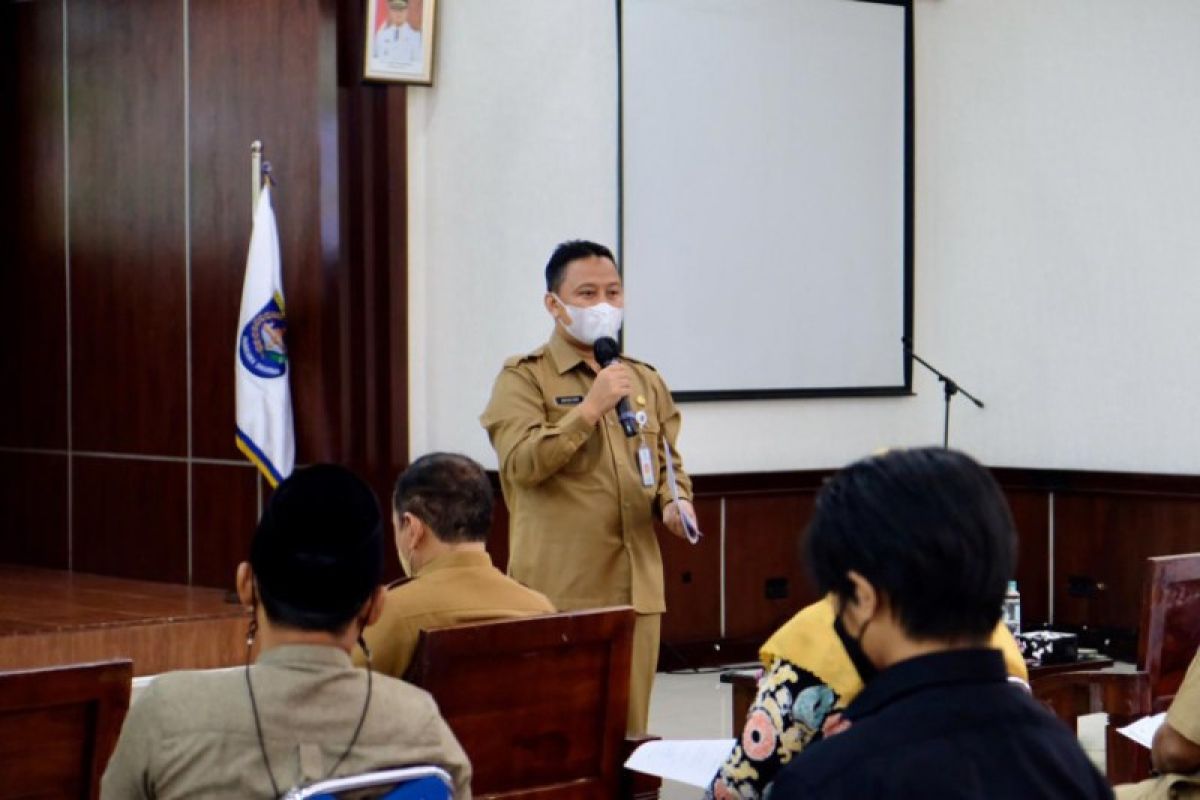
column 582, row 505
column 441, row 515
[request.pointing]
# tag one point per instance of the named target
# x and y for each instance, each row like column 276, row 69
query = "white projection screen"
column 766, row 178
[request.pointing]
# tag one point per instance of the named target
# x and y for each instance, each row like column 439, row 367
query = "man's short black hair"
column 448, row 492
column 570, row 251
column 929, row 529
column 318, row 551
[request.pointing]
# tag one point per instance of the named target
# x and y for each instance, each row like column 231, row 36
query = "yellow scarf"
column 809, row 641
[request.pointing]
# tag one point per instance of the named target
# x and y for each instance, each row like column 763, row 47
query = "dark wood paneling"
column 33, row 355
column 224, row 515
column 33, row 509
column 692, row 577
column 131, row 518
column 127, row 162
column 762, row 535
column 243, row 91
column 1031, row 514
column 1105, row 539
column 373, row 217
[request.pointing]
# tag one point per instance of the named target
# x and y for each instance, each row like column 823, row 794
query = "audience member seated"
column 806, row 659
column 302, row 712
column 1176, row 751
column 916, row 548
column 442, row 513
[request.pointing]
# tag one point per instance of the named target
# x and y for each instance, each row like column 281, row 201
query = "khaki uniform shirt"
column 192, row 734
column 581, row 526
column 1184, row 717
column 452, row 589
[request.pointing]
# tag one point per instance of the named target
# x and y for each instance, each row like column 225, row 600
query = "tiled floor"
column 697, row 706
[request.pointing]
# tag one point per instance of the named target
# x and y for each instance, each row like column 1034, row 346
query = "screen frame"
column 898, row 390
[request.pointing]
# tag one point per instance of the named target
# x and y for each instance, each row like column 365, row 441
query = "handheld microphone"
column 607, row 352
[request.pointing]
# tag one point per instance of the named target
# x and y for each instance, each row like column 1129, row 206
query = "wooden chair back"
column 1167, row 641
column 58, row 727
column 538, row 703
column 1170, row 630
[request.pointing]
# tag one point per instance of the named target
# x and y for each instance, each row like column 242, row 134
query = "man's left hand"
column 673, row 520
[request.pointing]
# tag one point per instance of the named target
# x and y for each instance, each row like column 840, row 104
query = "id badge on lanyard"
column 645, row 457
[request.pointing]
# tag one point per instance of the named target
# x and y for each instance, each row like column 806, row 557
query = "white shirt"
column 398, row 46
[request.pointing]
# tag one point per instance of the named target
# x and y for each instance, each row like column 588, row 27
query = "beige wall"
column 1057, row 231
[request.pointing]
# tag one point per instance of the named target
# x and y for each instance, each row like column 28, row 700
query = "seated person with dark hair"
column 441, row 515
column 1176, row 748
column 302, row 712
column 809, row 679
column 916, row 547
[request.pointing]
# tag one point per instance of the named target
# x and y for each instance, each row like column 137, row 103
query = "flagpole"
column 256, row 148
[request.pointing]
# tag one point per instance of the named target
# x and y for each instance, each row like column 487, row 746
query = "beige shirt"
column 581, row 525
column 1184, row 717
column 452, row 589
column 192, row 734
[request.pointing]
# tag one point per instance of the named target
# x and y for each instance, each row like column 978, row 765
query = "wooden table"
column 745, row 683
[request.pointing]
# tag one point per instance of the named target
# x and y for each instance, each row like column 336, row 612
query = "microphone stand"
column 949, row 386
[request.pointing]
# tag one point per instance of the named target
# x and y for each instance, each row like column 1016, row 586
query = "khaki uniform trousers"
column 643, row 665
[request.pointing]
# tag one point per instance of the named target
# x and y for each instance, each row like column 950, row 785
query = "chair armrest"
column 637, row 785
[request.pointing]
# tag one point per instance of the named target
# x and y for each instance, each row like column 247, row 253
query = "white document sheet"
column 693, row 533
column 1142, row 731
column 693, row 761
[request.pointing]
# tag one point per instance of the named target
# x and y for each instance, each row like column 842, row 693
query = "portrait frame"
column 396, row 50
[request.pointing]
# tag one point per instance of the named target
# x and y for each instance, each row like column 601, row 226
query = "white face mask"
column 589, row 323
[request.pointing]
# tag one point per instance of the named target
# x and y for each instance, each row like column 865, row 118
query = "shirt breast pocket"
column 587, row 457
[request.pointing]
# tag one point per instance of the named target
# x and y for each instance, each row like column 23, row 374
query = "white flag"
column 264, row 401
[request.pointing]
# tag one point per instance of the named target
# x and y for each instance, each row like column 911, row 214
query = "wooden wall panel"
column 762, row 535
column 33, row 357
column 1031, row 514
column 224, row 516
column 127, row 162
column 374, row 264
column 1102, row 542
column 242, row 91
column 692, row 578
column 131, row 518
column 33, row 499
column 157, row 219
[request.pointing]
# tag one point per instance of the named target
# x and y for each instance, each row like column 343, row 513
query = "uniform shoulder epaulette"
column 531, row 356
column 638, row 361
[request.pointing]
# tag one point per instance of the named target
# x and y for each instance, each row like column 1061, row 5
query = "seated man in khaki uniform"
column 302, row 712
column 442, row 512
column 1176, row 750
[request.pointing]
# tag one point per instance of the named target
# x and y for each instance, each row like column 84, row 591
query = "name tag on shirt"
column 569, row 400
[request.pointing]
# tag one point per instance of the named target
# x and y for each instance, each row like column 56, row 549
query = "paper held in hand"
column 694, row 762
column 1142, row 731
column 689, row 527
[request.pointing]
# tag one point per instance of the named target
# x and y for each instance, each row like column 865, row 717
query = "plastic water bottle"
column 1012, row 608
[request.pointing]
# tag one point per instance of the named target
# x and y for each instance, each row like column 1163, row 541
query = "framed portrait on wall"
column 400, row 40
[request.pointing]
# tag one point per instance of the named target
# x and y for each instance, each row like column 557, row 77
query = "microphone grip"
column 628, row 420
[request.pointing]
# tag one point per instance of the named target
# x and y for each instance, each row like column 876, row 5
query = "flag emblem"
column 263, row 349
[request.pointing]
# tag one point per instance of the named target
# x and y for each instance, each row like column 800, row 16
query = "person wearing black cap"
column 302, row 712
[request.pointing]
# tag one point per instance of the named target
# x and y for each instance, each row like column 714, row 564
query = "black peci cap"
column 318, row 551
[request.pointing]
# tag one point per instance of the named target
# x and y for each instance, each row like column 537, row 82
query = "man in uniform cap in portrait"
column 398, row 40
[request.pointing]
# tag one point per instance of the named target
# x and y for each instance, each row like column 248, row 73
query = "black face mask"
column 866, row 670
